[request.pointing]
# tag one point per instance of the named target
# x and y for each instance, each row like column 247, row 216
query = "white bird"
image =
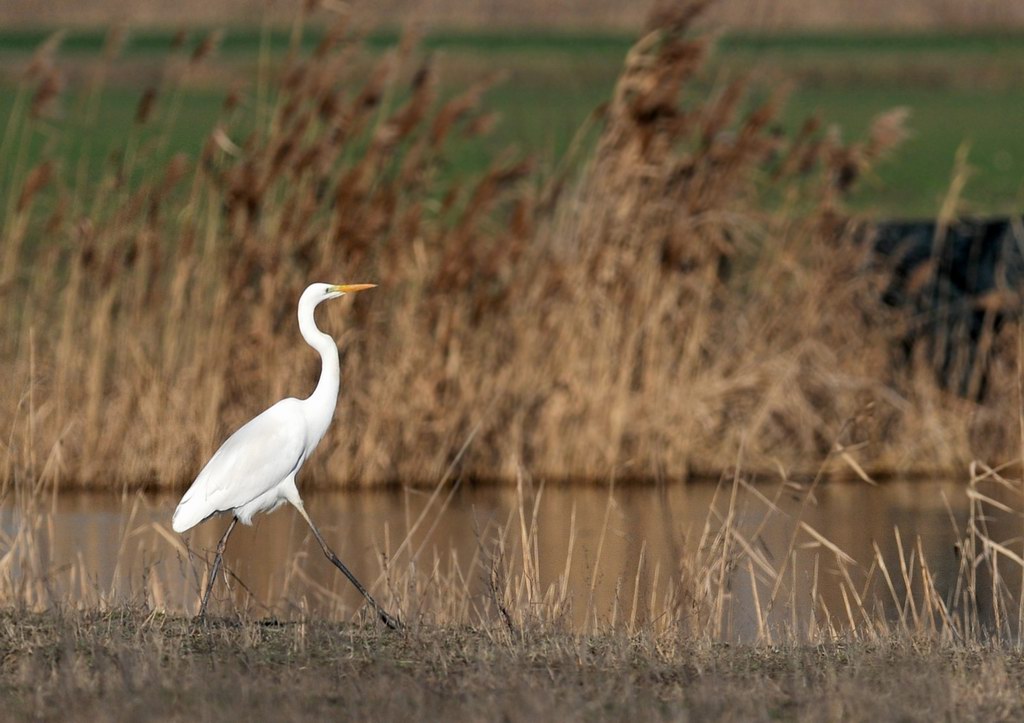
column 254, row 470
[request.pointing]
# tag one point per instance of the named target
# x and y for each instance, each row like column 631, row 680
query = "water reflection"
column 625, row 544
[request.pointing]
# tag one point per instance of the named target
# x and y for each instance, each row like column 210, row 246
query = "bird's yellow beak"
column 352, row 288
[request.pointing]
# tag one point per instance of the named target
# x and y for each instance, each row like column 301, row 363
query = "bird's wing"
column 252, row 461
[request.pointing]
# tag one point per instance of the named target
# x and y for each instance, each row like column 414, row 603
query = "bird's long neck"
column 324, row 398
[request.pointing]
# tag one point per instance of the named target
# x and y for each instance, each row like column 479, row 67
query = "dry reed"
column 686, row 291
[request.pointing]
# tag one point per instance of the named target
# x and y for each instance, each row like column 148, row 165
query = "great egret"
column 254, row 470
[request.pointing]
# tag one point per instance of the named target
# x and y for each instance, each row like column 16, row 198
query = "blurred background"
column 755, row 15
column 955, row 65
column 735, row 282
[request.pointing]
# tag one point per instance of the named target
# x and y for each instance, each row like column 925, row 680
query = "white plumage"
column 243, row 473
column 254, row 470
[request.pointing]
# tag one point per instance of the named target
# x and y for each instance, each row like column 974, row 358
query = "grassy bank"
column 826, row 643
column 130, row 663
column 246, row 40
column 959, row 88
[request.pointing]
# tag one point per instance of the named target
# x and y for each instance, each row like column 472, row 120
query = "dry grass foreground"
column 945, row 648
column 678, row 298
column 752, row 573
column 132, row 664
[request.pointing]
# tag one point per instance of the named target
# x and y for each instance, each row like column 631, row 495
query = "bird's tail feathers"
column 188, row 515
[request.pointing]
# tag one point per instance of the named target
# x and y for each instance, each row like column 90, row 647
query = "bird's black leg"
column 216, row 566
column 391, row 622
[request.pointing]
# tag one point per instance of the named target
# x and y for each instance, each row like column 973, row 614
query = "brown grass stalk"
column 662, row 312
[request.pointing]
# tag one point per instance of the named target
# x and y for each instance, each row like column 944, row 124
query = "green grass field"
column 959, row 89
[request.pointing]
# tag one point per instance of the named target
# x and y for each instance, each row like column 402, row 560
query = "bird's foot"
column 392, row 622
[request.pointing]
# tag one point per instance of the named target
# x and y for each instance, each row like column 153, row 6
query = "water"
column 104, row 546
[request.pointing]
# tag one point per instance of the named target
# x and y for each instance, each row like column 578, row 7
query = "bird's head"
column 312, row 297
column 333, row 291
column 322, row 292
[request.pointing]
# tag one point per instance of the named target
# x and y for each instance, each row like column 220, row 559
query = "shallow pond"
column 625, row 555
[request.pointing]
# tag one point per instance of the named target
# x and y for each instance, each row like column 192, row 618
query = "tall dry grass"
column 756, row 571
column 680, row 294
